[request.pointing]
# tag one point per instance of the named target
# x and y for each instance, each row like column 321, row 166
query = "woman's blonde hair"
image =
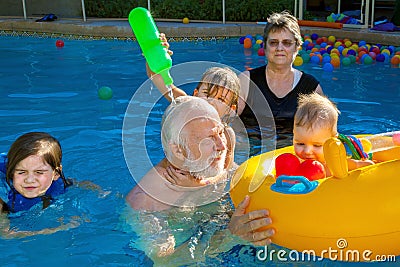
column 283, row 21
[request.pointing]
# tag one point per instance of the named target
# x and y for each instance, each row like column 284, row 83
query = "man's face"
column 205, row 147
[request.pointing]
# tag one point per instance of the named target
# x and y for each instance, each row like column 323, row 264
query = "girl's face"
column 219, row 97
column 33, row 176
column 308, row 143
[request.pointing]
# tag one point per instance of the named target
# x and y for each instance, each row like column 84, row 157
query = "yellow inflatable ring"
column 359, row 208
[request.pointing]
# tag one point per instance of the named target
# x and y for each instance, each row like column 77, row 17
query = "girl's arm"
column 158, row 80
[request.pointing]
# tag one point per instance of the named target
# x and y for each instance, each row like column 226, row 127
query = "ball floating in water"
column 298, row 61
column 185, row 20
column 105, row 93
column 261, row 52
column 346, row 61
column 60, row 43
column 247, row 43
column 328, row 67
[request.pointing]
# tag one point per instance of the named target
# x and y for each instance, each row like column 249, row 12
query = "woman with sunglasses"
column 277, row 83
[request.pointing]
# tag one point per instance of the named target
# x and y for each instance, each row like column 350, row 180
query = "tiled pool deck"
column 119, row 28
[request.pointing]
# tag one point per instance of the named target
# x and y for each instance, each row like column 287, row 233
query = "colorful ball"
column 335, row 61
column 346, row 61
column 185, row 20
column 315, row 59
column 105, row 93
column 380, row 58
column 298, row 61
column 261, row 52
column 328, row 67
column 247, row 43
column 332, row 39
column 395, row 60
column 60, row 43
column 314, row 36
column 305, row 57
column 241, row 39
column 368, row 60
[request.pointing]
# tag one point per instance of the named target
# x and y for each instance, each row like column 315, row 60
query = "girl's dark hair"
column 34, row 143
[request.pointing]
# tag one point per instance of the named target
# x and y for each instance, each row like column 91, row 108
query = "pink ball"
column 396, row 139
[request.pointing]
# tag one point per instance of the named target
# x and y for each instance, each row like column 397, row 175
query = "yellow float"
column 350, row 216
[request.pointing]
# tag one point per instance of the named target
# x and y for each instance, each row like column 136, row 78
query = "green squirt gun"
column 148, row 37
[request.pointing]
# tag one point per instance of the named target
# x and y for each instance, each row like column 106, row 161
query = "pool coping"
column 120, row 29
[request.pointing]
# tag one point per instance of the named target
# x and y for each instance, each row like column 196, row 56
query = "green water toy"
column 105, row 93
column 148, row 37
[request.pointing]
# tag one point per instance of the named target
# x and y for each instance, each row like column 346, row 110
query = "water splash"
column 171, row 94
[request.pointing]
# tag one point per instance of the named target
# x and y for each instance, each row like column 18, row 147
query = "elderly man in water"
column 194, row 172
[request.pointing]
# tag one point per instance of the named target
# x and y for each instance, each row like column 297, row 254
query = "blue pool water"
column 43, row 88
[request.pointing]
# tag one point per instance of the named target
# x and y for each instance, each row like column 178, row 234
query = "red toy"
column 311, row 169
column 286, row 164
column 289, row 164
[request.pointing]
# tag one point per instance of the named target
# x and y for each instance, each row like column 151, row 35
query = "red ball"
column 311, row 169
column 286, row 164
column 60, row 43
column 261, row 52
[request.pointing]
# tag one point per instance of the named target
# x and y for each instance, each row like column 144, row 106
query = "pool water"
column 45, row 88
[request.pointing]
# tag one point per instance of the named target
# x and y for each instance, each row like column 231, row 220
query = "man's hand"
column 248, row 225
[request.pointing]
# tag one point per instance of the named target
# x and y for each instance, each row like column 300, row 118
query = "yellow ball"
column 185, row 20
column 298, row 61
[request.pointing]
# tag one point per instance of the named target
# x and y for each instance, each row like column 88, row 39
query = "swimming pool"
column 43, row 88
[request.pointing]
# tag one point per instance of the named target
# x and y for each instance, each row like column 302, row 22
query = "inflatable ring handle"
column 303, row 186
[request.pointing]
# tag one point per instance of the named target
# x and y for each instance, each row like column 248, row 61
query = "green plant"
column 236, row 10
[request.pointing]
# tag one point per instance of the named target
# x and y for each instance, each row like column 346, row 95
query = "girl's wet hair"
column 34, row 143
column 221, row 77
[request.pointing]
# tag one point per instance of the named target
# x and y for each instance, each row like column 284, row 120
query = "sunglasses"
column 275, row 43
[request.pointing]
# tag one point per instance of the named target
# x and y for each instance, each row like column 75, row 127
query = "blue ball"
column 315, row 59
column 241, row 39
column 328, row 67
column 362, row 43
column 314, row 36
column 326, row 59
column 380, row 58
column 323, row 44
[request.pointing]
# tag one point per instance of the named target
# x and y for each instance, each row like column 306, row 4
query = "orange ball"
column 395, row 60
column 335, row 62
column 247, row 43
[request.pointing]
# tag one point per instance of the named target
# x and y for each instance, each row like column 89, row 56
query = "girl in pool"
column 31, row 174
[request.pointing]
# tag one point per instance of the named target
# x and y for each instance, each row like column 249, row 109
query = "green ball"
column 346, row 61
column 105, row 93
